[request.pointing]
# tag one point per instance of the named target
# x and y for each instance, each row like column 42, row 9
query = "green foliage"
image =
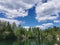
column 11, row 31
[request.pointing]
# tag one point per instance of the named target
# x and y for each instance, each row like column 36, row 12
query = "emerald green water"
column 29, row 42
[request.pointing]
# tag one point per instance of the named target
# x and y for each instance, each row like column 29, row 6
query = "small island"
column 13, row 32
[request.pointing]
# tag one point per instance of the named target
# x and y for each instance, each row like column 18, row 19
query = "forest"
column 12, row 32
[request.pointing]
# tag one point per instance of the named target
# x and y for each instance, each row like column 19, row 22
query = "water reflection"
column 30, row 42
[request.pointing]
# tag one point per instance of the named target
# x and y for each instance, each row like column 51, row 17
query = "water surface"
column 30, row 42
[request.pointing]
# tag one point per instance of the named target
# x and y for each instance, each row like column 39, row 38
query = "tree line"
column 11, row 31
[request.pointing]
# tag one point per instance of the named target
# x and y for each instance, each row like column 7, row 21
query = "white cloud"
column 56, row 21
column 44, row 18
column 16, row 8
column 44, row 26
column 11, row 21
column 46, row 10
column 26, row 27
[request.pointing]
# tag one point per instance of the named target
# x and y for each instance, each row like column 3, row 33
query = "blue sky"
column 34, row 13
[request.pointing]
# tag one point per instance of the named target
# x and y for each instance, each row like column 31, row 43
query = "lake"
column 29, row 42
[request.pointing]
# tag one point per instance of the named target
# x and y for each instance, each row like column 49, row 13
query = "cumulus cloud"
column 16, row 8
column 26, row 27
column 44, row 26
column 19, row 8
column 56, row 21
column 48, row 10
column 11, row 21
